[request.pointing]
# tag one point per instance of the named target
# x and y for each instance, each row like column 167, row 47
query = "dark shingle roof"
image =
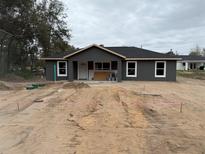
column 189, row 57
column 134, row 52
column 128, row 52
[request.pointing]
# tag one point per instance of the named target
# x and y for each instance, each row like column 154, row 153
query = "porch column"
column 119, row 71
column 70, row 70
column 186, row 66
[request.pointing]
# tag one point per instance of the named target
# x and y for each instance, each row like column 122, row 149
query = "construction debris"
column 38, row 101
column 34, row 86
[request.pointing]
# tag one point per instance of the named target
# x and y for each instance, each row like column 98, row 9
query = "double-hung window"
column 131, row 69
column 62, row 68
column 160, row 69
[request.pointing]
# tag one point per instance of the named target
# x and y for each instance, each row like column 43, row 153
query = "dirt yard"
column 104, row 118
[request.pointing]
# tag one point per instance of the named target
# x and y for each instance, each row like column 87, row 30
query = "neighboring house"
column 97, row 62
column 191, row 63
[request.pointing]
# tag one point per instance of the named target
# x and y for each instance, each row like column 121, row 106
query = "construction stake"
column 18, row 106
column 181, row 106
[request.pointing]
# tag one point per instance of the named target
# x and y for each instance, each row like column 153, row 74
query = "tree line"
column 29, row 29
column 197, row 51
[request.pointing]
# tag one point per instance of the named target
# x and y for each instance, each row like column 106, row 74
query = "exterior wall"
column 146, row 71
column 75, row 70
column 70, row 71
column 50, row 71
column 96, row 55
column 180, row 66
column 187, row 66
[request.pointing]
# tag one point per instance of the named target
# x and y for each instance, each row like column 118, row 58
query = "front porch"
column 193, row 65
column 95, row 70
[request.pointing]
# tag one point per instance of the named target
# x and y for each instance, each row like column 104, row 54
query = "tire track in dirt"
column 106, row 119
column 83, row 115
column 24, row 100
column 125, row 108
column 164, row 135
column 159, row 133
column 106, row 122
column 51, row 104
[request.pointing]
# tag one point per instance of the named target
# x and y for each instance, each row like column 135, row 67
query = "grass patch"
column 192, row 74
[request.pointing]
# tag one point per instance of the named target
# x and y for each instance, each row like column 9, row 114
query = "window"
column 131, row 69
column 160, row 69
column 114, row 65
column 98, row 66
column 102, row 66
column 62, row 68
column 106, row 66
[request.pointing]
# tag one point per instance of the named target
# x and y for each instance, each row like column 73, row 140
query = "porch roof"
column 192, row 58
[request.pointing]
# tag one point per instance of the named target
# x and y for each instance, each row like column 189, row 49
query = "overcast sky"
column 158, row 25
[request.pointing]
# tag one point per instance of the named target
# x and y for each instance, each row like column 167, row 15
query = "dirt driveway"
column 106, row 118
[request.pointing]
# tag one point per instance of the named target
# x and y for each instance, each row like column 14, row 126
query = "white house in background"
column 191, row 63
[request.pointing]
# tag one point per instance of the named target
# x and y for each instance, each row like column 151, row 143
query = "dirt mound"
column 75, row 85
column 3, row 86
column 12, row 78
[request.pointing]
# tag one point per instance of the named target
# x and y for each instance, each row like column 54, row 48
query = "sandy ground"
column 107, row 118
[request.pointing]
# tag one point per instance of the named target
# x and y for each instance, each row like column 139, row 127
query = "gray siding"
column 96, row 55
column 70, row 71
column 146, row 71
column 75, row 70
column 50, row 71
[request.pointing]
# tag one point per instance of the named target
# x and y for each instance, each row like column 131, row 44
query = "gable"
column 94, row 54
column 96, row 46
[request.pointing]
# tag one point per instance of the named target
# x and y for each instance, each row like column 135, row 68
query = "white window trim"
column 58, row 72
column 165, row 69
column 135, row 75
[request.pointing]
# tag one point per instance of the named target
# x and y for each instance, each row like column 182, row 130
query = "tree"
column 195, row 51
column 203, row 52
column 52, row 31
column 36, row 25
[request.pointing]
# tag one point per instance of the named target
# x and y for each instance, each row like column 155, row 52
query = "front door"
column 82, row 70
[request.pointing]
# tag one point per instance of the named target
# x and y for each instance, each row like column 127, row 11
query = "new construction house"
column 97, row 62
